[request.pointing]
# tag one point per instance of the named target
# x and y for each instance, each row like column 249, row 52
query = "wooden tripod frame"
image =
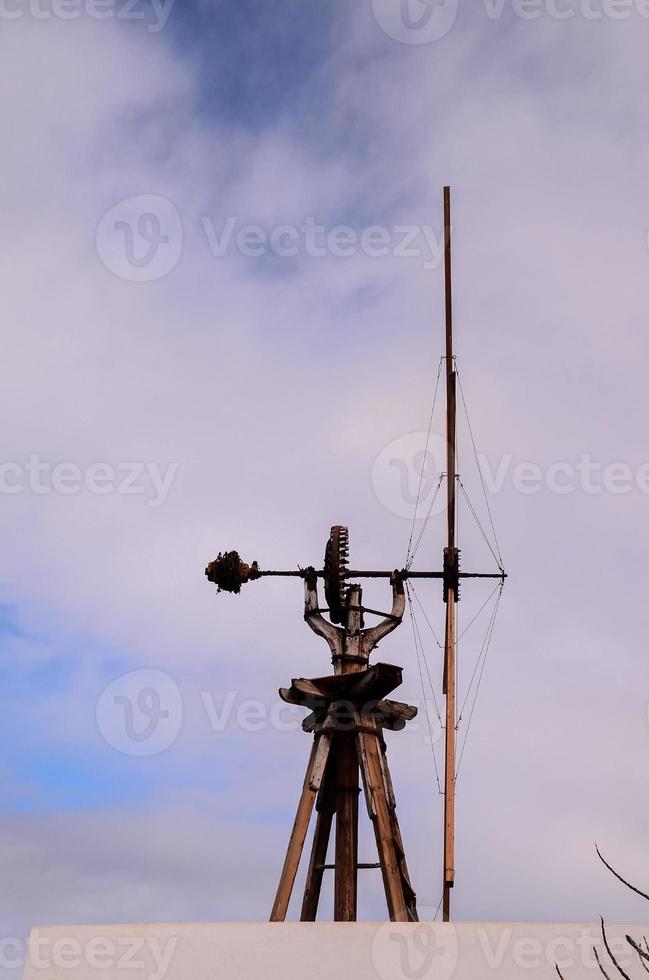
column 349, row 713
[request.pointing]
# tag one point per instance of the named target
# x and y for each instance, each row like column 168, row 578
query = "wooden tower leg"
column 408, row 890
column 379, row 811
column 312, row 781
column 347, row 791
column 326, row 806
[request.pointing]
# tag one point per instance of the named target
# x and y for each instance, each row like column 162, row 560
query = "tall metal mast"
column 451, row 569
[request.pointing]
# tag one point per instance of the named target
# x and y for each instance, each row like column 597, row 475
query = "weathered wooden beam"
column 351, row 671
column 378, row 808
column 310, row 788
column 326, row 805
column 365, row 683
column 451, row 559
column 346, row 877
column 450, row 747
column 392, row 715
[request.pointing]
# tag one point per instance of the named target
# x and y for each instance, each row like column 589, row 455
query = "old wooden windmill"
column 350, row 709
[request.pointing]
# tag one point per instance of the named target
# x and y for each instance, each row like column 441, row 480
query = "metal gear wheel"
column 335, row 569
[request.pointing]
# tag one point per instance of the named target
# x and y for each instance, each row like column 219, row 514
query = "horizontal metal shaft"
column 405, row 573
column 361, row 867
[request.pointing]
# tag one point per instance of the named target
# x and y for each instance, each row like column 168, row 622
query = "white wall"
column 362, row 951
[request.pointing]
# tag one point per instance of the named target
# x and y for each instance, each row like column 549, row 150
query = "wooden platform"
column 293, row 951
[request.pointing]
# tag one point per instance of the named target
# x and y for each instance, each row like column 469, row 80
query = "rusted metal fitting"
column 452, row 573
column 229, row 573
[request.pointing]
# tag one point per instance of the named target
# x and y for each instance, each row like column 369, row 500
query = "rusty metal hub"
column 229, row 573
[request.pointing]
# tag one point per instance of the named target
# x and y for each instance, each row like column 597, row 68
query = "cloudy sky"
column 222, row 323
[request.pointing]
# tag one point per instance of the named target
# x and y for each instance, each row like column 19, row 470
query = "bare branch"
column 599, row 964
column 641, row 953
column 619, row 877
column 608, row 950
column 559, row 971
